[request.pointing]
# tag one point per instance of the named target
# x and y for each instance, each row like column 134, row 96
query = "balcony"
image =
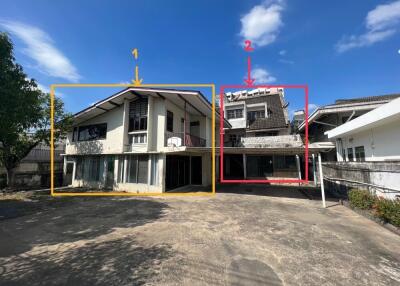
column 178, row 139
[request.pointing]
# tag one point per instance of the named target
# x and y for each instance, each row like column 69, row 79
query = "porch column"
column 244, row 166
column 125, row 169
column 314, row 169
column 73, row 171
column 298, row 167
column 321, row 179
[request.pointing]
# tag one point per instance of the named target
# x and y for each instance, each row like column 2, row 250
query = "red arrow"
column 249, row 80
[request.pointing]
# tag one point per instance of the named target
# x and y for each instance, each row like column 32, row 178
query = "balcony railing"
column 180, row 139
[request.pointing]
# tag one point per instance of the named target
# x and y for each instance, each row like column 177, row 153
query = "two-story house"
column 142, row 140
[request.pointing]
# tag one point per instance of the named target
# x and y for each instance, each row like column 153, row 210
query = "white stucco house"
column 368, row 151
column 374, row 136
column 142, row 140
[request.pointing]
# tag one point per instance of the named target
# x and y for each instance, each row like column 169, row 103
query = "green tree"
column 24, row 112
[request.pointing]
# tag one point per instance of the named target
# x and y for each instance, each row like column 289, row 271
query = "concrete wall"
column 382, row 178
column 381, row 143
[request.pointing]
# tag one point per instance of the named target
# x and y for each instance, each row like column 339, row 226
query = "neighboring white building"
column 368, row 151
column 374, row 136
column 142, row 140
column 330, row 116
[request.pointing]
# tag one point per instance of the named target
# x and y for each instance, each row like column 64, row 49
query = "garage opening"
column 233, row 166
column 182, row 171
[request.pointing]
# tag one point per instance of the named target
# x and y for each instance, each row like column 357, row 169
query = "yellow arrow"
column 137, row 81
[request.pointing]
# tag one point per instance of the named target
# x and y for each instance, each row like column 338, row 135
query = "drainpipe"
column 321, row 178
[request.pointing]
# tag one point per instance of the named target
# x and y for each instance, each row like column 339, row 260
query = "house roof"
column 196, row 102
column 385, row 114
column 275, row 108
column 348, row 105
column 369, row 98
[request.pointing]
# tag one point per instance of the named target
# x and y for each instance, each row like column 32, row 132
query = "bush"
column 361, row 199
column 388, row 210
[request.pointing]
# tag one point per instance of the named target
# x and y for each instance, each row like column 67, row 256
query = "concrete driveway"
column 240, row 238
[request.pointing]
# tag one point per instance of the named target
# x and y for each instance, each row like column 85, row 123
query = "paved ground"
column 240, row 238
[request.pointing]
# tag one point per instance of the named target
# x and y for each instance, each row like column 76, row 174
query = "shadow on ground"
column 117, row 262
column 72, row 241
column 53, row 221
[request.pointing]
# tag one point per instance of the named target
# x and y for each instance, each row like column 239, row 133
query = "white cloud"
column 384, row 16
column 381, row 23
column 282, row 52
column 262, row 23
column 262, row 76
column 40, row 47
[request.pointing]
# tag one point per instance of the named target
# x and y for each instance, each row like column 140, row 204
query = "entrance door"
column 196, row 170
column 110, row 173
column 68, row 174
column 195, row 128
column 259, row 166
column 233, row 166
column 177, row 171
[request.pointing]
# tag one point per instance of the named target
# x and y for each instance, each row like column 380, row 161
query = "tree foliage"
column 24, row 112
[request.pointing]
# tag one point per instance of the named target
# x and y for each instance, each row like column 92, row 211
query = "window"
column 79, row 168
column 235, row 113
column 132, row 169
column 75, row 134
column 350, row 155
column 93, row 173
column 142, row 174
column 139, row 138
column 170, row 121
column 137, row 171
column 92, row 132
column 253, row 115
column 121, row 163
column 154, row 170
column 89, row 168
column 360, row 153
column 138, row 114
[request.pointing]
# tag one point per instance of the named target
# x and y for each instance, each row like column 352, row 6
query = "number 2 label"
column 247, row 46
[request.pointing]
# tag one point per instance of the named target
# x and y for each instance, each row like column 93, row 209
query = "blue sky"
column 342, row 49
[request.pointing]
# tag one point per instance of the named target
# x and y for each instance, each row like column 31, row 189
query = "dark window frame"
column 359, row 152
column 350, row 154
column 75, row 134
column 170, row 121
column 137, row 169
column 91, row 135
column 252, row 115
column 234, row 113
column 138, row 110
